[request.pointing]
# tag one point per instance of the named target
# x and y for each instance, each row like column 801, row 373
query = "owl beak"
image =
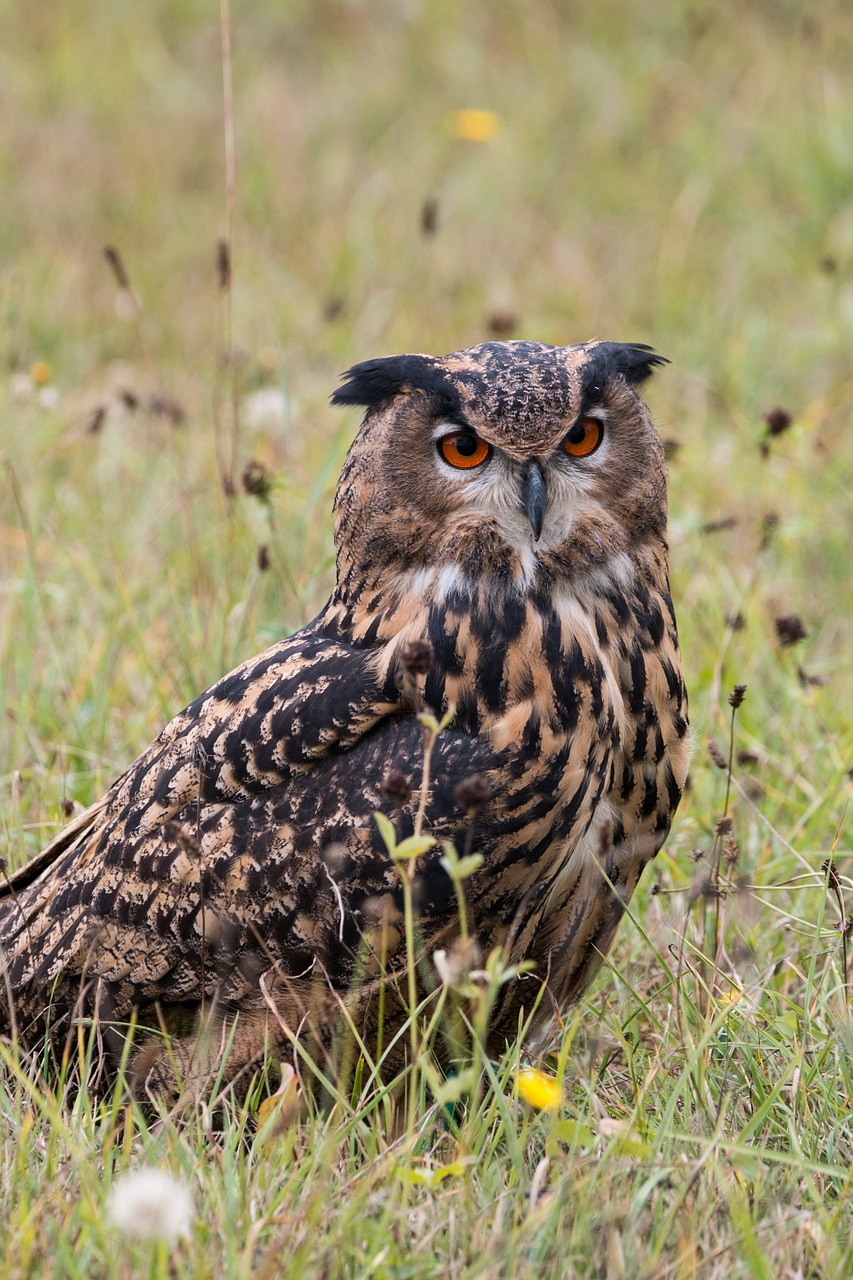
column 535, row 498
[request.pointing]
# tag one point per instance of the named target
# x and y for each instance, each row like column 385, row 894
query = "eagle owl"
column 507, row 505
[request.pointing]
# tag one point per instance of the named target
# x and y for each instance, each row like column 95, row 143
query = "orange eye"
column 584, row 438
column 464, row 449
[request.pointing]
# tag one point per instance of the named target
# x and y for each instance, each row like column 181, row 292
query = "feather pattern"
column 238, row 863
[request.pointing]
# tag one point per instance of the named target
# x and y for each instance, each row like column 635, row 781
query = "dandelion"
column 471, row 125
column 265, row 409
column 733, row 1004
column 539, row 1089
column 150, row 1204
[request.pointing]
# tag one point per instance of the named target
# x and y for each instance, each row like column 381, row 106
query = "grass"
column 675, row 173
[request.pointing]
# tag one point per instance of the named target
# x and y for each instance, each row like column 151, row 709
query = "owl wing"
column 257, row 731
column 288, row 878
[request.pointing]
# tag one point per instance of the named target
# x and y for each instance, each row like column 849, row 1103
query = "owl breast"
column 579, row 693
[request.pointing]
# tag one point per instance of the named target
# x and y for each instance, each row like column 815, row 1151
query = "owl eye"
column 584, row 438
column 463, row 449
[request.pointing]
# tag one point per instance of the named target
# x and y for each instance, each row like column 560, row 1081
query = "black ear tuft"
column 375, row 381
column 635, row 361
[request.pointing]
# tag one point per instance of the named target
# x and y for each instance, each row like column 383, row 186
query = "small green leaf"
column 387, row 832
column 411, row 847
column 467, row 866
column 573, row 1133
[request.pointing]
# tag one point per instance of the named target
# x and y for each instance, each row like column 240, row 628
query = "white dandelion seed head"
column 149, row 1204
column 265, row 410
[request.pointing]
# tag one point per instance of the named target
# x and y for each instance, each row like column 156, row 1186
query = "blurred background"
column 385, row 177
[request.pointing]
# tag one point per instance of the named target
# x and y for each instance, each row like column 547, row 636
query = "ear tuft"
column 635, row 361
column 374, row 381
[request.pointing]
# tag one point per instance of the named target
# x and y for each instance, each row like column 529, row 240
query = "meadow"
column 193, row 246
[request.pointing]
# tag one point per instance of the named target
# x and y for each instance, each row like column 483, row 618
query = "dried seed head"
column 416, row 657
column 429, row 217
column 719, row 525
column 725, row 826
column 731, row 852
column 736, row 621
column 333, row 309
column 263, row 557
column 502, row 323
column 129, row 399
column 67, row 807
column 116, row 265
column 809, row 681
column 790, row 629
column 257, row 480
column 778, row 421
column 164, row 407
column 223, row 264
column 2, row 866
column 96, row 419
column 472, row 793
column 397, row 787
column 737, row 696
column 716, row 754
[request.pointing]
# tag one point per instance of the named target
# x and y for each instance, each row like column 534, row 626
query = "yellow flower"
column 730, row 997
column 40, row 373
column 472, row 125
column 542, row 1091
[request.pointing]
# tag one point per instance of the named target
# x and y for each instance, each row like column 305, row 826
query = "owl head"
column 509, row 460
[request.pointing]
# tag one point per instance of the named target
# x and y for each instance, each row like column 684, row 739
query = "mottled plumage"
column 237, row 862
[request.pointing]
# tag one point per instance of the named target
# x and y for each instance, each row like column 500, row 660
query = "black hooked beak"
column 535, row 497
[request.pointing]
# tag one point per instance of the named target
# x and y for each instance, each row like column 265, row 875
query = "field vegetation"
column 183, row 275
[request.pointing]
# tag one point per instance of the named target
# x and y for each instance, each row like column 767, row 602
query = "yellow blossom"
column 542, row 1091
column 40, row 373
column 473, row 125
column 730, row 997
